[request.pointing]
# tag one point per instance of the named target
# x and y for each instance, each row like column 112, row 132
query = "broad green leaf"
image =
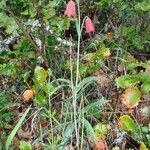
column 100, row 130
column 127, row 81
column 126, row 123
column 40, row 74
column 144, row 76
column 14, row 131
column 40, row 98
column 48, row 88
column 132, row 65
column 145, row 87
column 25, row 145
column 131, row 97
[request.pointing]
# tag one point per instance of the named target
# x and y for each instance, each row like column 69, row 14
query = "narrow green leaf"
column 95, row 104
column 67, row 134
column 90, row 130
column 14, row 131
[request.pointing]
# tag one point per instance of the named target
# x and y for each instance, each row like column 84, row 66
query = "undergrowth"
column 75, row 81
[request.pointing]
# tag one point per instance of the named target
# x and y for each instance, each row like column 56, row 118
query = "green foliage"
column 5, row 100
column 5, row 115
column 145, row 87
column 40, row 75
column 9, row 69
column 143, row 6
column 135, row 78
column 100, row 130
column 101, row 53
column 128, row 21
column 125, row 81
column 141, row 133
column 133, row 28
column 25, row 145
column 143, row 146
column 43, row 86
column 8, row 23
column 138, row 42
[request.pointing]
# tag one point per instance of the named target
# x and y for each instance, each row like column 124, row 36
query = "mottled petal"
column 89, row 25
column 70, row 9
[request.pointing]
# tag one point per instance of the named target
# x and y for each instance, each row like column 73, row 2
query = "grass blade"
column 14, row 131
column 94, row 105
column 90, row 129
column 66, row 136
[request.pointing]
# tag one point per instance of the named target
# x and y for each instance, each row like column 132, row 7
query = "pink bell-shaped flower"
column 70, row 10
column 89, row 25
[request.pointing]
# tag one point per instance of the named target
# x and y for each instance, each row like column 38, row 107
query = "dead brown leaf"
column 126, row 97
column 24, row 134
column 104, row 79
column 100, row 145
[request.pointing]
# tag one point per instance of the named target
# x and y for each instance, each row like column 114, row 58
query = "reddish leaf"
column 28, row 94
column 100, row 145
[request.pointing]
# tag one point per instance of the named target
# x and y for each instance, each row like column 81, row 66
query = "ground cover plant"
column 74, row 75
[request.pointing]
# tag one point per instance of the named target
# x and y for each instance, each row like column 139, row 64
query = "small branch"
column 62, row 41
column 42, row 25
column 42, row 50
column 20, row 25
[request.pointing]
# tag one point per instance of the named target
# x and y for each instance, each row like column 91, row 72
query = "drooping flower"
column 89, row 25
column 70, row 10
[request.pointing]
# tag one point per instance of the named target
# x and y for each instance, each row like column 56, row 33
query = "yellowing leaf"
column 143, row 146
column 126, row 123
column 40, row 74
column 100, row 130
column 109, row 35
column 131, row 97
